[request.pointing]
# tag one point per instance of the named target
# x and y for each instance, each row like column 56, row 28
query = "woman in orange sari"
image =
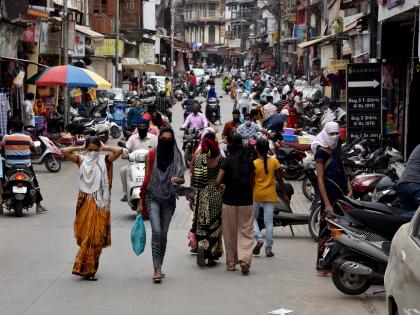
column 92, row 227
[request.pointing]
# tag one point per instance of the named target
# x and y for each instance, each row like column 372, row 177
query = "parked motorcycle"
column 362, row 240
column 19, row 190
column 48, row 154
column 178, row 93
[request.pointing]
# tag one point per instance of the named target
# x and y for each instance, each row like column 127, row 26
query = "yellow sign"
column 336, row 65
column 107, row 47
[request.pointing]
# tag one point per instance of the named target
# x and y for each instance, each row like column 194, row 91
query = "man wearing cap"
column 140, row 140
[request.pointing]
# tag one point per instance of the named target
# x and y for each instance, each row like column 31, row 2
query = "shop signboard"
column 364, row 101
column 107, row 47
column 336, row 65
column 147, row 52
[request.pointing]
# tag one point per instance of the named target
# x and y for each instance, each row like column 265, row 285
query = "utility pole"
column 117, row 41
column 279, row 17
column 172, row 37
column 308, row 37
column 65, row 61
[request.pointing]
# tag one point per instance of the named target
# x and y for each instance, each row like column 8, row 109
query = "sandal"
column 269, row 254
column 231, row 268
column 157, row 279
column 244, row 268
column 90, row 278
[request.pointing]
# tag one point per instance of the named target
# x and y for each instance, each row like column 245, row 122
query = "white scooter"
column 136, row 173
column 48, row 154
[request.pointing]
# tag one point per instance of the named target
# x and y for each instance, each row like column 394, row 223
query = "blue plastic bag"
column 138, row 235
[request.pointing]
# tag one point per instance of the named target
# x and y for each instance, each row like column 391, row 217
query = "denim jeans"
column 268, row 222
column 409, row 196
column 160, row 216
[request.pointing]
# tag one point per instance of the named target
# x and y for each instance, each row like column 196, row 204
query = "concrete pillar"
column 206, row 33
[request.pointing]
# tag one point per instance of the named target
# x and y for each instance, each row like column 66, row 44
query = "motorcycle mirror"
column 37, row 143
column 121, row 144
column 221, row 96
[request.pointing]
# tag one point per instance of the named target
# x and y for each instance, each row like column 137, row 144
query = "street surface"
column 38, row 251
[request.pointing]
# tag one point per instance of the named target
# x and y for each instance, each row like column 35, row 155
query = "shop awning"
column 88, row 31
column 351, row 22
column 134, row 64
column 177, row 43
column 316, row 41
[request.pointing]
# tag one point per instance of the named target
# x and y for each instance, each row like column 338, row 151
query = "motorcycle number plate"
column 326, row 251
column 19, row 190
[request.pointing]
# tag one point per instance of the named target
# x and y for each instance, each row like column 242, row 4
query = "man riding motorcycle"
column 17, row 148
column 141, row 140
column 188, row 104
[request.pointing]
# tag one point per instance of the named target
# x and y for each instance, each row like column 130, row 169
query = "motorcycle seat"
column 376, row 206
column 298, row 146
column 286, row 151
column 383, row 224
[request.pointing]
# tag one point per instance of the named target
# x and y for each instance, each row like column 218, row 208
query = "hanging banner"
column 50, row 39
column 107, row 47
column 31, row 34
column 364, row 117
column 130, row 15
column 79, row 46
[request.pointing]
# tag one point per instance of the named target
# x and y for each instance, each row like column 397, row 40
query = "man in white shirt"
column 141, row 140
column 28, row 116
column 213, row 72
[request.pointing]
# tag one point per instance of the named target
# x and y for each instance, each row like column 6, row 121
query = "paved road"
column 38, row 251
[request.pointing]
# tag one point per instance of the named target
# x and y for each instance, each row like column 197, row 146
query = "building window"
column 212, row 34
column 212, row 9
column 99, row 6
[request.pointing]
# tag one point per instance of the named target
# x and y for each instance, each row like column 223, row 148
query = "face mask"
column 333, row 141
column 236, row 120
column 92, row 155
column 195, row 111
column 248, row 123
column 142, row 132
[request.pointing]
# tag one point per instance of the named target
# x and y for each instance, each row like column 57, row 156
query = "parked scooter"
column 360, row 251
column 19, row 190
column 190, row 140
column 283, row 214
column 48, row 154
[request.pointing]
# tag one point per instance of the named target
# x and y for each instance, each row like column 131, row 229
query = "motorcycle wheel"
column 347, row 283
column 103, row 137
column 115, row 132
column 18, row 207
column 52, row 164
column 187, row 157
column 314, row 222
column 291, row 174
column 308, row 189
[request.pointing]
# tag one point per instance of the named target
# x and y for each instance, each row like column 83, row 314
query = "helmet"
column 191, row 94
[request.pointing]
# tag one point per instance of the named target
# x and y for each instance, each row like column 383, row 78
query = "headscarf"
column 93, row 178
column 276, row 95
column 203, row 134
column 266, row 92
column 323, row 139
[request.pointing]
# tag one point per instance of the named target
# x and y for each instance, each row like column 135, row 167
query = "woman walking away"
column 207, row 221
column 267, row 171
column 332, row 182
column 167, row 174
column 92, row 228
column 237, row 173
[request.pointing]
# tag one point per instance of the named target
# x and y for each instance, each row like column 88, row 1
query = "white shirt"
column 28, row 116
column 136, row 143
column 286, row 89
column 213, row 72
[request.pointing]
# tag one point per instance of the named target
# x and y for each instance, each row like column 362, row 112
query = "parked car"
column 115, row 94
column 158, row 81
column 310, row 92
column 402, row 276
column 199, row 73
